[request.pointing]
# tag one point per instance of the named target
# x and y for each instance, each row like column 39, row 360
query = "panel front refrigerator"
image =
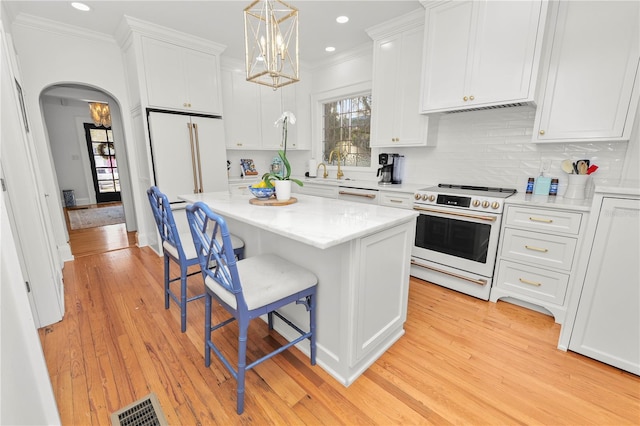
column 188, row 153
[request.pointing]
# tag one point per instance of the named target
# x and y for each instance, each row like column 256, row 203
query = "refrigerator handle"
column 199, row 164
column 193, row 159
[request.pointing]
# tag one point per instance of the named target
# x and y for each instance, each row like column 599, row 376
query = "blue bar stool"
column 179, row 249
column 247, row 288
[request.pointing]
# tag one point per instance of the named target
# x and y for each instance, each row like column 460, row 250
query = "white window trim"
column 317, row 100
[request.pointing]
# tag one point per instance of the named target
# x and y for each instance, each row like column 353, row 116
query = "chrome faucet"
column 325, row 174
column 337, row 152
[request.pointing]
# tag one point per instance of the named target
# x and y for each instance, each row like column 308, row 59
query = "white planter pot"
column 283, row 190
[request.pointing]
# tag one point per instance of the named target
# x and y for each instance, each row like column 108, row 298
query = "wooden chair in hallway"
column 179, row 249
column 247, row 289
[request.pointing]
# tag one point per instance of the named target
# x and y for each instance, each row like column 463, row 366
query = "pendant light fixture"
column 271, row 43
column 100, row 114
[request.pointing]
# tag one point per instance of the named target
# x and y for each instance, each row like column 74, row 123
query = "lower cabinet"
column 537, row 257
column 242, row 188
column 402, row 200
column 317, row 189
column 607, row 320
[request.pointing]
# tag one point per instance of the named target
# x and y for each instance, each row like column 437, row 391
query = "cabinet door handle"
column 542, row 132
column 465, row 99
column 471, row 97
column 526, row 281
column 478, row 281
column 542, row 250
column 355, row 194
column 540, row 219
column 195, row 128
column 193, row 159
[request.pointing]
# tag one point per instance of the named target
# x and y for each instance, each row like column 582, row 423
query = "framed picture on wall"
column 22, row 108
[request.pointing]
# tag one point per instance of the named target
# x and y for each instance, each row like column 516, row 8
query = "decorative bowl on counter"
column 262, row 193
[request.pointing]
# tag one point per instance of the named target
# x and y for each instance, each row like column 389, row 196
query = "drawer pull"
column 395, row 201
column 525, row 281
column 539, row 219
column 357, row 194
column 542, row 250
column 472, row 280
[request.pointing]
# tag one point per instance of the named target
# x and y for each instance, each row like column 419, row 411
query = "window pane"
column 346, row 125
column 98, row 135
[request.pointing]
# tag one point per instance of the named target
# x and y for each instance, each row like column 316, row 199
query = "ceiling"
column 222, row 21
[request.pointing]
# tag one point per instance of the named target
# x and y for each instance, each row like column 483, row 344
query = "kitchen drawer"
column 317, row 190
column 396, row 199
column 539, row 249
column 242, row 188
column 543, row 220
column 537, row 283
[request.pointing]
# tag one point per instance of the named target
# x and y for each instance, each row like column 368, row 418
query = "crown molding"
column 30, row 21
column 130, row 25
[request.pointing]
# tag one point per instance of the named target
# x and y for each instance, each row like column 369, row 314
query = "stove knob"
column 485, row 204
column 495, row 205
column 417, row 197
column 476, row 203
column 432, row 198
column 424, row 197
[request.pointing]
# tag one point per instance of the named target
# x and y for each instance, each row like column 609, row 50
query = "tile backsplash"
column 494, row 148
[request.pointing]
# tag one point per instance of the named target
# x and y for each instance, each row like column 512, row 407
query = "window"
column 346, row 125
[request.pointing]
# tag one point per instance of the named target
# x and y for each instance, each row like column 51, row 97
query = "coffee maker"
column 392, row 169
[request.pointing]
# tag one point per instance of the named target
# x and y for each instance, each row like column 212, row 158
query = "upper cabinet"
column 397, row 56
column 480, row 53
column 180, row 78
column 251, row 110
column 590, row 85
column 170, row 70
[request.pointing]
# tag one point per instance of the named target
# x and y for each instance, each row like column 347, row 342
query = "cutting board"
column 273, row 201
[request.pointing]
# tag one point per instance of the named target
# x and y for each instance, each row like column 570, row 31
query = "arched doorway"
column 65, row 110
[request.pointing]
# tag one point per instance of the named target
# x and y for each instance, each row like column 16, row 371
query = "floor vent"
column 144, row 412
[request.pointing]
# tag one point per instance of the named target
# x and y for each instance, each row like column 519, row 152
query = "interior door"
column 104, row 167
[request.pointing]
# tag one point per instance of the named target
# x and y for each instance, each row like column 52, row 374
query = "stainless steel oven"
column 457, row 235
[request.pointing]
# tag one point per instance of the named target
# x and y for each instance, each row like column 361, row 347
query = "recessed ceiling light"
column 342, row 19
column 329, row 49
column 80, row 6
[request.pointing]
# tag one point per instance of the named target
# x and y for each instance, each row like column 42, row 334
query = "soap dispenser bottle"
column 543, row 183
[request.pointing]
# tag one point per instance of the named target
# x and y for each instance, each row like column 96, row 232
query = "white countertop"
column 549, row 201
column 624, row 187
column 365, row 184
column 317, row 221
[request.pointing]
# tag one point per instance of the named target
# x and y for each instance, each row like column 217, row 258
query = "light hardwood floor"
column 461, row 361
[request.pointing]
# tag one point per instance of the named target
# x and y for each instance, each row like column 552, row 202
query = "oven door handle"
column 479, row 281
column 452, row 213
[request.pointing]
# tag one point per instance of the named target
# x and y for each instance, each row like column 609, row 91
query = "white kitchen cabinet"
column 317, row 189
column 397, row 58
column 401, row 200
column 480, row 53
column 590, row 82
column 241, row 101
column 251, row 110
column 537, row 257
column 180, row 78
column 242, row 188
column 607, row 322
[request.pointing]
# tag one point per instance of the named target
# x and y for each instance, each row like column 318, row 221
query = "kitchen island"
column 361, row 256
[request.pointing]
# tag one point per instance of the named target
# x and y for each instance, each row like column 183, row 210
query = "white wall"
column 49, row 55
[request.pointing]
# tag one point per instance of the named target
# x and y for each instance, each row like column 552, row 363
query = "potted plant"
column 282, row 182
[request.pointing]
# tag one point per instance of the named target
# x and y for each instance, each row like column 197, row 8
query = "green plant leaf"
column 287, row 165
